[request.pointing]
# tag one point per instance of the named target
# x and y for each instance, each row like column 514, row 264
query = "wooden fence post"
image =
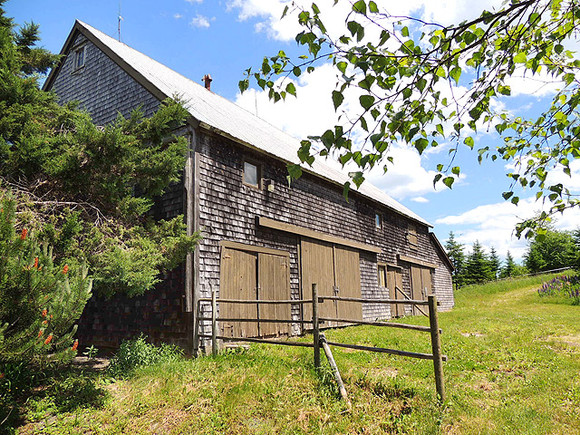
column 315, row 326
column 196, row 329
column 214, row 343
column 436, row 347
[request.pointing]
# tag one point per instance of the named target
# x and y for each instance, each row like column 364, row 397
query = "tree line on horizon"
column 554, row 250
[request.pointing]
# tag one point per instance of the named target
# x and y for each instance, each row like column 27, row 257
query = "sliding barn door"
column 395, row 280
column 274, row 284
column 347, row 281
column 238, row 280
column 421, row 285
column 336, row 270
column 318, row 267
column 250, row 275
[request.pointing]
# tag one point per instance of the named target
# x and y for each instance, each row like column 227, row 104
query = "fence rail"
column 318, row 338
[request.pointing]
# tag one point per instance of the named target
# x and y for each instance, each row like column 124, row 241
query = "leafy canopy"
column 407, row 76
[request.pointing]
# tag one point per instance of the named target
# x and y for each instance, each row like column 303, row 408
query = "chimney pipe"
column 207, row 80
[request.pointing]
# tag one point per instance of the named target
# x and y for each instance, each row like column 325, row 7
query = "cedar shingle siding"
column 228, row 210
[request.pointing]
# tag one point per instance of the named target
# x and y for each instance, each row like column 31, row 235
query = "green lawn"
column 513, row 368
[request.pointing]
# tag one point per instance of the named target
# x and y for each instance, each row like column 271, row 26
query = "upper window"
column 79, row 57
column 412, row 236
column 251, row 174
column 378, row 220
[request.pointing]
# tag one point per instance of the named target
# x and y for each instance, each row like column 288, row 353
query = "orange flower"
column 44, row 312
column 48, row 339
column 1, row 375
column 45, row 322
column 65, row 269
column 23, row 234
column 36, row 262
column 75, row 345
column 40, row 333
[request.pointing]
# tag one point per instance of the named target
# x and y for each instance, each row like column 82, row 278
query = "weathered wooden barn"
column 261, row 236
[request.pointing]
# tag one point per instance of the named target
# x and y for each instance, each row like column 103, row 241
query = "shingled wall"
column 228, row 211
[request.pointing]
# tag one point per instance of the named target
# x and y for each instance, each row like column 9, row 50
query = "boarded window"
column 251, row 174
column 412, row 236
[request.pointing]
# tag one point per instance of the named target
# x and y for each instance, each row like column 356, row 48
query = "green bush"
column 137, row 353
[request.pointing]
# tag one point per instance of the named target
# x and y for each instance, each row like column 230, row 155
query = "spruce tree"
column 477, row 267
column 457, row 256
column 510, row 267
column 494, row 263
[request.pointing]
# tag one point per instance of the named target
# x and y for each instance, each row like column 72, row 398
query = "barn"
column 263, row 238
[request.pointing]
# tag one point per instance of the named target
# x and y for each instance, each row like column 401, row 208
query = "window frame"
column 378, row 220
column 412, row 237
column 382, row 267
column 80, row 52
column 258, row 167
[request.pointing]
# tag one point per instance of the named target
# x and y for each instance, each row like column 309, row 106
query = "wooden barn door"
column 317, row 267
column 421, row 285
column 238, row 280
column 395, row 279
column 273, row 284
column 347, row 282
column 336, row 270
column 251, row 275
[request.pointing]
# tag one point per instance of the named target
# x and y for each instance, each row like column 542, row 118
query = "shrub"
column 137, row 353
column 562, row 286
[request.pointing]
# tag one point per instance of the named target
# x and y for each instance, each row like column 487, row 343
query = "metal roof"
column 225, row 117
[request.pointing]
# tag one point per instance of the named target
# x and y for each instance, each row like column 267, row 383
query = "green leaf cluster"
column 401, row 75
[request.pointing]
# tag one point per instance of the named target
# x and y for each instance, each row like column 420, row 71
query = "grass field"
column 513, row 368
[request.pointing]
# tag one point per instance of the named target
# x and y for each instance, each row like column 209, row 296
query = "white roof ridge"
column 233, row 120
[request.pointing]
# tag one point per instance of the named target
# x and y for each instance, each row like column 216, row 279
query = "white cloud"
column 267, row 13
column 420, row 199
column 493, row 224
column 192, row 2
column 200, row 21
column 177, row 16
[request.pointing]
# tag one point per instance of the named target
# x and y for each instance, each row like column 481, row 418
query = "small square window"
column 251, row 174
column 79, row 58
column 378, row 220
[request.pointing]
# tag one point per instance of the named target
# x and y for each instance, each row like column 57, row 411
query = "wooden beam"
column 306, row 232
column 260, row 340
column 416, row 261
column 252, row 248
column 383, row 350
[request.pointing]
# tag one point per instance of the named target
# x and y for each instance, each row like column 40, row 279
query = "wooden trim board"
column 253, row 248
column 416, row 261
column 317, row 235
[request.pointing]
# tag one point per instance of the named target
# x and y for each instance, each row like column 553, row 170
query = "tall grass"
column 513, row 368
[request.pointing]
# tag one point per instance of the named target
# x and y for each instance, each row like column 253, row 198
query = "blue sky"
column 224, row 37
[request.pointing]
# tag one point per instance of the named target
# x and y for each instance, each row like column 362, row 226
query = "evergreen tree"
column 457, row 256
column 509, row 269
column 494, row 263
column 40, row 300
column 477, row 266
column 86, row 190
column 554, row 250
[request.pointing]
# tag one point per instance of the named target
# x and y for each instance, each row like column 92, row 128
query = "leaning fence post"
column 315, row 326
column 214, row 343
column 436, row 347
